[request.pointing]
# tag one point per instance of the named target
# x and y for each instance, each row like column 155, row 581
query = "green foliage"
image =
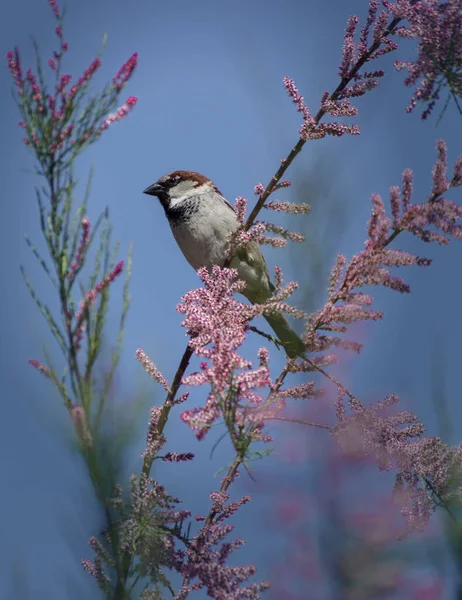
column 80, row 262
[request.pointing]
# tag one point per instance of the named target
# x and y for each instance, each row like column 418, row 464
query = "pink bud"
column 81, row 427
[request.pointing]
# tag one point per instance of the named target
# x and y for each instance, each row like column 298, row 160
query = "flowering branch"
column 200, row 561
column 311, row 123
column 438, row 29
column 368, row 267
column 143, row 532
column 60, row 120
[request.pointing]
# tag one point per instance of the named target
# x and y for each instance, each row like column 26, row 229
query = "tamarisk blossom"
column 311, row 129
column 125, row 72
column 120, row 113
column 206, row 556
column 85, row 78
column 369, row 560
column 217, row 324
column 89, row 299
column 51, row 120
column 437, row 219
column 39, row 366
column 276, row 205
column 288, row 207
column 35, row 91
column 259, row 189
column 373, row 43
column 91, row 296
column 256, row 233
column 243, row 236
column 425, row 465
column 80, row 420
column 154, row 441
column 59, row 123
column 349, row 48
column 146, row 527
column 55, row 8
column 437, row 26
column 79, row 256
column 240, row 207
column 95, row 568
column 177, row 457
column 151, row 369
column 280, row 294
column 14, row 65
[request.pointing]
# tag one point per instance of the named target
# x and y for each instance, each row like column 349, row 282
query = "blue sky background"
column 211, row 99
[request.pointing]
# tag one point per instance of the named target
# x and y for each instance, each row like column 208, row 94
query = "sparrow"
column 202, row 221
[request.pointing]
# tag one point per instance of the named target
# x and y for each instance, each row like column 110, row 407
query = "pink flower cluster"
column 438, row 219
column 35, row 90
column 178, row 457
column 85, row 78
column 39, row 366
column 438, row 28
column 82, row 429
column 256, row 234
column 148, row 525
column 259, row 189
column 424, row 465
column 95, row 568
column 120, row 113
column 79, row 257
column 355, row 55
column 125, row 72
column 206, row 557
column 240, row 207
column 217, row 324
column 288, row 207
column 55, row 8
column 151, row 369
column 374, row 41
column 14, row 66
column 155, row 441
column 394, row 441
column 360, row 527
column 87, row 302
column 50, row 119
column 311, row 129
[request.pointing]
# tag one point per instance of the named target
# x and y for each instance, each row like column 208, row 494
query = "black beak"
column 156, row 189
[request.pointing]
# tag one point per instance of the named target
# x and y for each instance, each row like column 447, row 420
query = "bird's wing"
column 229, row 204
column 225, row 202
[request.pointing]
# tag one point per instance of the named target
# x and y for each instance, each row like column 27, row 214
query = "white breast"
column 203, row 238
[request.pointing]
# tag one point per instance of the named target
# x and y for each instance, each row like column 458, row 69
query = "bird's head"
column 174, row 188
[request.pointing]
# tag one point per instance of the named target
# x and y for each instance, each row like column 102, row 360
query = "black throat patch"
column 182, row 212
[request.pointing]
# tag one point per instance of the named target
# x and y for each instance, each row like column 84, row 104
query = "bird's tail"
column 293, row 345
